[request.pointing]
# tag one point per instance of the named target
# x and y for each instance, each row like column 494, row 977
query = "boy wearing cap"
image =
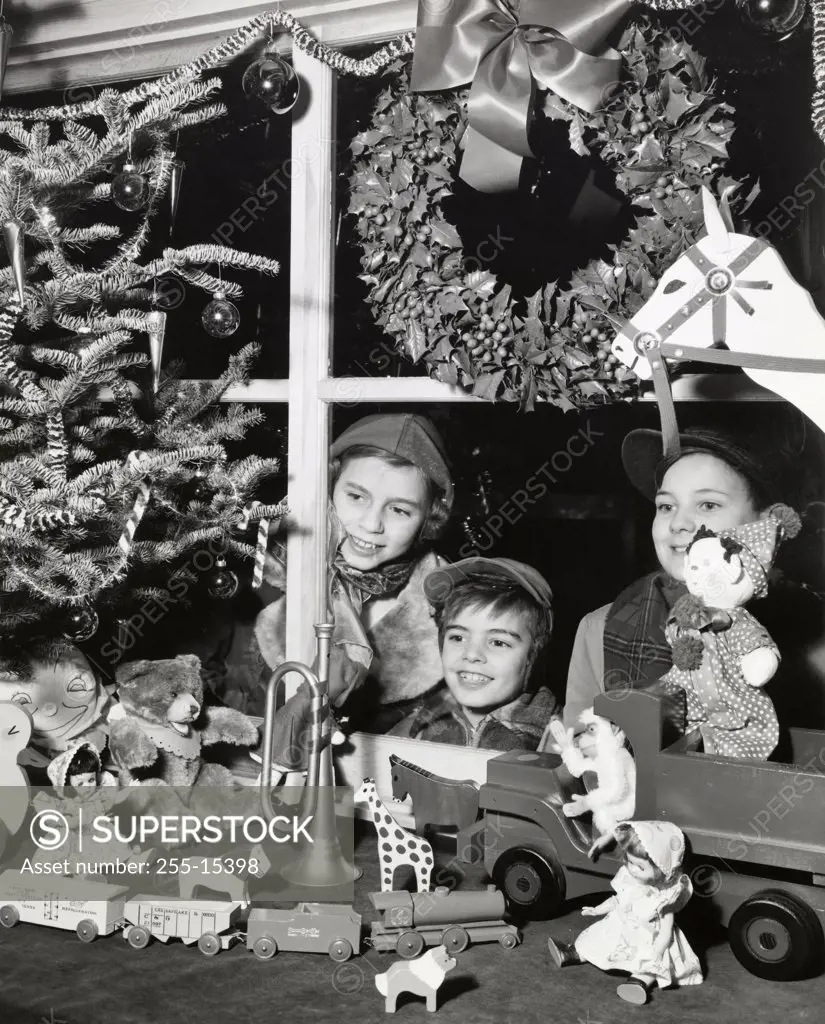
column 391, row 496
column 494, row 615
column 714, row 482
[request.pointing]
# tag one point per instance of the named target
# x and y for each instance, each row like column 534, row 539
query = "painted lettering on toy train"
column 306, row 933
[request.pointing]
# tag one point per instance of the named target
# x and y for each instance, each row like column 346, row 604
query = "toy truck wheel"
column 209, row 944
column 455, row 939
column 265, row 947
column 9, row 916
column 87, row 931
column 508, row 941
column 138, row 938
column 340, row 950
column 410, row 944
column 776, row 936
column 532, row 882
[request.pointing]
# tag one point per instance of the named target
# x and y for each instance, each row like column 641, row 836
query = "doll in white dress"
column 637, row 932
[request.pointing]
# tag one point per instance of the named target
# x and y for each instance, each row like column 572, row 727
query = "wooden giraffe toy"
column 396, row 845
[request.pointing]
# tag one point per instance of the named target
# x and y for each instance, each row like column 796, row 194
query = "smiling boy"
column 494, row 615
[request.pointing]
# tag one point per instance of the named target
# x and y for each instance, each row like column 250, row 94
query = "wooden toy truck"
column 411, row 921
column 209, row 923
column 755, row 832
column 87, row 908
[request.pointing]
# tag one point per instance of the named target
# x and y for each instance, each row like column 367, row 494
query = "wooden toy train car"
column 209, row 923
column 411, row 921
column 74, row 904
column 754, row 828
column 332, row 928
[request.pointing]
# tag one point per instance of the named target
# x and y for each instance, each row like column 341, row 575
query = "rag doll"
column 600, row 749
column 722, row 656
column 637, row 932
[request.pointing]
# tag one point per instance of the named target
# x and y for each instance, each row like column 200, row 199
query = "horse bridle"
column 720, row 282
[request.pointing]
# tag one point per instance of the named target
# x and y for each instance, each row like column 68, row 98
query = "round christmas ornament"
column 81, row 623
column 130, row 190
column 223, row 583
column 659, row 129
column 198, row 488
column 220, row 317
column 774, row 18
column 273, row 82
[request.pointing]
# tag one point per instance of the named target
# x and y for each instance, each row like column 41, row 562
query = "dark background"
column 590, row 533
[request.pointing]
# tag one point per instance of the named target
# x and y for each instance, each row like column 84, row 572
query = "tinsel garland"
column 818, row 105
column 223, row 53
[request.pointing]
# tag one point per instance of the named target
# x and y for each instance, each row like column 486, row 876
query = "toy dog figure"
column 421, row 977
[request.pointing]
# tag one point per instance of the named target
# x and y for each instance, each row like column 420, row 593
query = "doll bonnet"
column 759, row 541
column 58, row 769
column 664, row 843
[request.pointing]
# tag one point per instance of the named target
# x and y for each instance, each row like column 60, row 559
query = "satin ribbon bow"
column 506, row 50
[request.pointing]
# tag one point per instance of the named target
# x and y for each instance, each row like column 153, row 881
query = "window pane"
column 549, row 489
column 361, row 348
column 235, row 191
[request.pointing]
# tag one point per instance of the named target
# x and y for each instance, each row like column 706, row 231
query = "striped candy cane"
column 260, row 553
column 144, row 493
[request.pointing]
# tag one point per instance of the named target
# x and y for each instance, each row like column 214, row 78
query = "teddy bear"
column 160, row 728
column 722, row 656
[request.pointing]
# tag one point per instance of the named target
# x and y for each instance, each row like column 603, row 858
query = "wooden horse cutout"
column 435, row 800
column 396, row 846
column 734, row 290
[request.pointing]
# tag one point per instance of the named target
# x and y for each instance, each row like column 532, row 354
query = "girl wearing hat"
column 716, row 483
column 637, row 932
column 391, row 496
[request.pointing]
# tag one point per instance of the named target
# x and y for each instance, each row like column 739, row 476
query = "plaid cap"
column 407, row 435
column 440, row 583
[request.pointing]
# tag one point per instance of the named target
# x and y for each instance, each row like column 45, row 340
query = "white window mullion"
column 310, row 346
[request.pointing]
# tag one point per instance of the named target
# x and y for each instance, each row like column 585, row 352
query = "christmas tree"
column 107, row 469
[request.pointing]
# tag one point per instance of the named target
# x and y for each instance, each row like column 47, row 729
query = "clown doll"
column 53, row 681
column 722, row 655
column 637, row 932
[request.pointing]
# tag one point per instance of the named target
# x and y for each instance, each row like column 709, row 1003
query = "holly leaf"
column 534, row 305
column 487, row 384
column 445, row 234
column 418, row 255
column 648, row 153
column 451, row 303
column 402, row 200
column 529, row 392
column 420, row 206
column 501, row 302
column 399, row 179
column 678, row 104
column 415, row 341
column 439, row 171
column 482, row 282
column 555, row 108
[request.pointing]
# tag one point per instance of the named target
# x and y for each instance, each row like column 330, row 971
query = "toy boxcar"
column 88, row 908
column 411, row 921
column 333, row 928
column 207, row 922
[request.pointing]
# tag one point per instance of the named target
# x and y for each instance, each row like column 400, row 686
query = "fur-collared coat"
column 401, row 663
